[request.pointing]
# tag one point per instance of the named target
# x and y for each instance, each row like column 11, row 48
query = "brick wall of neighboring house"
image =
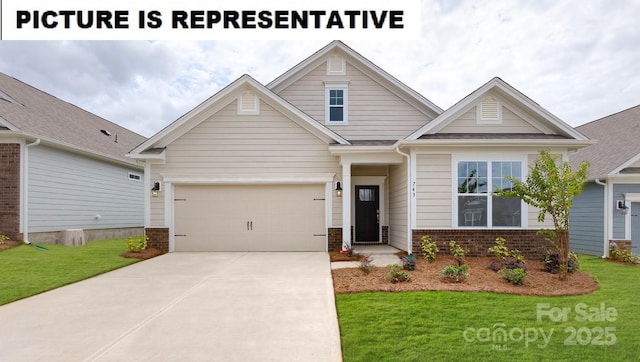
column 10, row 190
column 532, row 245
column 158, row 238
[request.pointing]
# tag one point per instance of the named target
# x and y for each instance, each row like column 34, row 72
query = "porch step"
column 382, row 256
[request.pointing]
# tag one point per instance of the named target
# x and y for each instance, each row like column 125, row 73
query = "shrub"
column 409, row 262
column 137, row 244
column 551, row 263
column 429, row 248
column 455, row 273
column 458, row 252
column 396, row 275
column 514, row 276
column 499, row 251
column 3, row 238
column 623, row 255
column 365, row 264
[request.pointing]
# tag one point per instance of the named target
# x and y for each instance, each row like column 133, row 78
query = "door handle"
column 378, row 215
column 247, row 225
column 251, row 224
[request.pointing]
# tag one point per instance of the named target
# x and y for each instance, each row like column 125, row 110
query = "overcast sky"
column 578, row 59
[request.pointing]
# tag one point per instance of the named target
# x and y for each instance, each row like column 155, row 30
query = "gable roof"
column 539, row 117
column 617, row 147
column 33, row 113
column 364, row 65
column 151, row 147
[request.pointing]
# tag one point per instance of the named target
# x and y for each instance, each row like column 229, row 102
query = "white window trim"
column 490, row 157
column 344, row 86
column 480, row 120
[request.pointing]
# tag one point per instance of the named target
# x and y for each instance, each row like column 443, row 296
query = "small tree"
column 551, row 186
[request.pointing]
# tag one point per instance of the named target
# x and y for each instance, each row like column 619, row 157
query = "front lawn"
column 419, row 326
column 27, row 270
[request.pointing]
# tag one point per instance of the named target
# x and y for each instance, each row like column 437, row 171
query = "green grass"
column 27, row 271
column 419, row 326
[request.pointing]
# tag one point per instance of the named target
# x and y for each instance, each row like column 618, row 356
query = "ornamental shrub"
column 429, row 248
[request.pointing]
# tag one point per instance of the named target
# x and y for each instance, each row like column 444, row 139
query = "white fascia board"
column 629, row 162
column 9, row 125
column 251, row 179
column 500, row 143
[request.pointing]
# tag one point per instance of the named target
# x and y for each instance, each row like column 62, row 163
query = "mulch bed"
column 9, row 244
column 144, row 254
column 427, row 276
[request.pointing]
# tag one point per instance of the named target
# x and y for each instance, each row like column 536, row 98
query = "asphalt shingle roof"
column 42, row 115
column 617, row 138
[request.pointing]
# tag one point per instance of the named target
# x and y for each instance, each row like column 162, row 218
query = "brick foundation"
column 334, row 239
column 622, row 244
column 532, row 245
column 158, row 238
column 10, row 190
column 385, row 234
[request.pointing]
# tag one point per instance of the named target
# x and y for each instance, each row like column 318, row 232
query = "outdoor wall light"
column 623, row 207
column 155, row 188
column 338, row 189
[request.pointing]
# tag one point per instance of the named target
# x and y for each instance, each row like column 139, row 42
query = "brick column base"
column 334, row 239
column 158, row 238
column 10, row 190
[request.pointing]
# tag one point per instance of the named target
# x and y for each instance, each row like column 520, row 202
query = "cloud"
column 579, row 60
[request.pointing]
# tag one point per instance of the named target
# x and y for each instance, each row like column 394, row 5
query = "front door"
column 367, row 208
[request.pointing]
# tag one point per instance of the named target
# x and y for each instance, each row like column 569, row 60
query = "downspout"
column 25, row 204
column 409, row 243
column 606, row 219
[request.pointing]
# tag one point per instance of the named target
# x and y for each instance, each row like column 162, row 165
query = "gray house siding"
column 618, row 219
column 70, row 191
column 586, row 222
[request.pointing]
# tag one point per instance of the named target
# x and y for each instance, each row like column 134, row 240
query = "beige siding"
column 228, row 144
column 433, row 191
column 511, row 123
column 398, row 206
column 533, row 211
column 374, row 112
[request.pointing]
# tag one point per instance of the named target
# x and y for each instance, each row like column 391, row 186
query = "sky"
column 580, row 60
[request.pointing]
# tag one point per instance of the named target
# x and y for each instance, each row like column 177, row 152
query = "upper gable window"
column 489, row 111
column 336, row 65
column 248, row 103
column 336, row 104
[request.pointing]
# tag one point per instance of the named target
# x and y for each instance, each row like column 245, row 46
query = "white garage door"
column 250, row 218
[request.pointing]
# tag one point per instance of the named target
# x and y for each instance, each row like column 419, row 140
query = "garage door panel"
column 279, row 218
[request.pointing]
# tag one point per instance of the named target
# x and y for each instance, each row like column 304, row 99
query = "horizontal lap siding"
column 374, row 112
column 586, row 222
column 618, row 219
column 229, row 144
column 511, row 123
column 398, row 206
column 433, row 191
column 67, row 191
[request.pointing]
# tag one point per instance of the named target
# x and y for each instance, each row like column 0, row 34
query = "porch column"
column 346, row 204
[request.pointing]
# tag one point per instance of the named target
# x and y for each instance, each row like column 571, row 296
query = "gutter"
column 409, row 208
column 606, row 218
column 25, row 205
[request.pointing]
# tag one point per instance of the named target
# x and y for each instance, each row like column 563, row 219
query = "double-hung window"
column 477, row 206
column 336, row 104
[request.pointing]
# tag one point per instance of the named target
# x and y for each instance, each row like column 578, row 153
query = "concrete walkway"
column 382, row 256
column 183, row 307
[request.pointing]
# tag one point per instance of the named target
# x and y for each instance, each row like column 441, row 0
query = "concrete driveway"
column 183, row 307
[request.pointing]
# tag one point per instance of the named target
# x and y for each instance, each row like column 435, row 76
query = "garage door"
column 250, row 218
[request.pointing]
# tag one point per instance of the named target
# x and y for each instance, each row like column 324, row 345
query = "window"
column 134, row 176
column 337, row 100
column 366, row 195
column 477, row 207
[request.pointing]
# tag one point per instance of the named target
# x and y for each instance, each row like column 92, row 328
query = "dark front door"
column 367, row 207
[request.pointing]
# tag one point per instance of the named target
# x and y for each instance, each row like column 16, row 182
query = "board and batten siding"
column 228, row 145
column 586, row 221
column 398, row 221
column 433, row 191
column 511, row 123
column 68, row 191
column 375, row 113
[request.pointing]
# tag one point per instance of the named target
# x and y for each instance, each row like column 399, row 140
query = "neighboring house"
column 63, row 168
column 609, row 207
column 336, row 152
